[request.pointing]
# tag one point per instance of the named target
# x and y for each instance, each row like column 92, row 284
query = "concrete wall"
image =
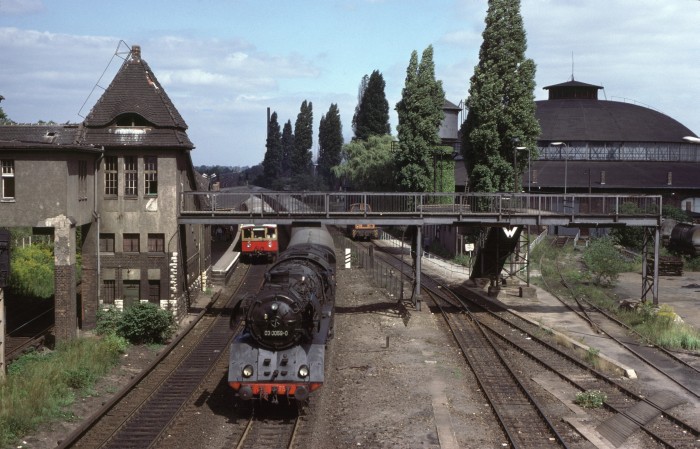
column 47, row 185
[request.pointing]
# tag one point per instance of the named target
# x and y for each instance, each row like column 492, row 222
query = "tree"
column 604, row 261
column 303, row 140
column 368, row 163
column 4, row 119
column 272, row 163
column 330, row 144
column 287, row 149
column 372, row 113
column 360, row 93
column 420, row 115
column 33, row 271
column 501, row 102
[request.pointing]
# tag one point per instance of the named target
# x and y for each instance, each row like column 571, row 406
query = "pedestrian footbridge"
column 504, row 210
column 416, row 209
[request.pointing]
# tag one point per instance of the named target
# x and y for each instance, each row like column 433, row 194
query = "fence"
column 394, row 281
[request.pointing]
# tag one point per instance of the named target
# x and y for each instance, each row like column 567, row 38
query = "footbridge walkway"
column 509, row 211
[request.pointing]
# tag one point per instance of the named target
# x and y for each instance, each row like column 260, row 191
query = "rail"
column 391, row 207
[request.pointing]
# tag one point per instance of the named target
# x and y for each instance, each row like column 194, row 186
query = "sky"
column 224, row 62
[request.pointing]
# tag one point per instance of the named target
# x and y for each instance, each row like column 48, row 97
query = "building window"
column 131, row 293
column 150, row 171
column 109, row 291
column 106, row 243
column 82, row 180
column 131, row 243
column 156, row 243
column 131, row 180
column 7, row 188
column 111, row 176
column 154, row 291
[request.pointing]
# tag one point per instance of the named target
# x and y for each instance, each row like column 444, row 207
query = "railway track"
column 665, row 362
column 526, row 338
column 517, row 409
column 33, row 333
column 270, row 426
column 138, row 416
column 516, row 338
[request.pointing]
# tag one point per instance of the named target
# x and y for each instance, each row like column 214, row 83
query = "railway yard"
column 401, row 378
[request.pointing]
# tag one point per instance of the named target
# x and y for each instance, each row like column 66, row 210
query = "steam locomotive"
column 281, row 351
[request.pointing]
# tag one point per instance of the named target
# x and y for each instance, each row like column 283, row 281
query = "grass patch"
column 40, row 386
column 593, row 356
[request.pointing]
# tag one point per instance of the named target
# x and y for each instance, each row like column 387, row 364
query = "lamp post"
column 517, row 148
column 566, row 161
column 529, row 182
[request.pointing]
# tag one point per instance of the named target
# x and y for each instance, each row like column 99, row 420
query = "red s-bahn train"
column 259, row 241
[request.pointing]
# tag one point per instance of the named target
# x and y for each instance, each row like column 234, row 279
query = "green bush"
column 146, row 323
column 108, row 321
column 79, row 378
column 691, row 263
column 604, row 261
column 591, row 399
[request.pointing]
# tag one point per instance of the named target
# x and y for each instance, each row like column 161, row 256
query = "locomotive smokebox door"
column 4, row 257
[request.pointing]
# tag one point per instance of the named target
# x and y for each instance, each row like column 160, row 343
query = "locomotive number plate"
column 269, row 333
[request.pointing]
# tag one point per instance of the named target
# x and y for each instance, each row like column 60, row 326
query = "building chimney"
column 136, row 53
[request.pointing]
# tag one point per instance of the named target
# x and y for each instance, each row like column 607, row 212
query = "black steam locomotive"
column 281, row 351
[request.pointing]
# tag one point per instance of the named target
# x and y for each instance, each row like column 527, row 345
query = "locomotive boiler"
column 281, row 351
column 685, row 239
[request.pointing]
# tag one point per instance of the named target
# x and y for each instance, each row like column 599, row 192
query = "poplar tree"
column 420, row 115
column 303, row 140
column 330, row 144
column 272, row 163
column 287, row 149
column 372, row 113
column 501, row 103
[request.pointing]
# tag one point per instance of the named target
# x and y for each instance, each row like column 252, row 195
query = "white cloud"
column 18, row 7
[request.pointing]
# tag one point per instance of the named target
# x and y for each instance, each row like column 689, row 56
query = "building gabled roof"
column 135, row 90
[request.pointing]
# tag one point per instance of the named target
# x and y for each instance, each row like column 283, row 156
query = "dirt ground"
column 392, row 381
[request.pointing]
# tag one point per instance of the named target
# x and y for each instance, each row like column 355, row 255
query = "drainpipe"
column 96, row 216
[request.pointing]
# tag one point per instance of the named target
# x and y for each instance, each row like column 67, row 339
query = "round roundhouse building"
column 588, row 145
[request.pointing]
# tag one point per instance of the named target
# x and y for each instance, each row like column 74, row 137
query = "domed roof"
column 574, row 114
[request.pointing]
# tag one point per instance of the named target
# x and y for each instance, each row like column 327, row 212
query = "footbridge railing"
column 391, row 207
